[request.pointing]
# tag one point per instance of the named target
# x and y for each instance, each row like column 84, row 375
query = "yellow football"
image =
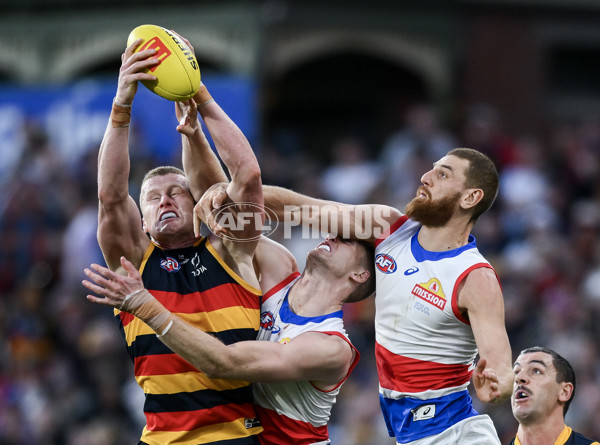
column 177, row 74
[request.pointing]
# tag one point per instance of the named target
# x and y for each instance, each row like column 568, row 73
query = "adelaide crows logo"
column 267, row 322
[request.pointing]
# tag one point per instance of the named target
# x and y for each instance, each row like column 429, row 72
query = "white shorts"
column 477, row 430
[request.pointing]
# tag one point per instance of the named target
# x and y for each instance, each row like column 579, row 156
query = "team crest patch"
column 170, row 264
column 267, row 322
column 385, row 263
column 431, row 292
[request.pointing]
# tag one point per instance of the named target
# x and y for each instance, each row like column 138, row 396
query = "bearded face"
column 432, row 213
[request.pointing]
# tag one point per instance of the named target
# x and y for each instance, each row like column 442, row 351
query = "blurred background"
column 350, row 101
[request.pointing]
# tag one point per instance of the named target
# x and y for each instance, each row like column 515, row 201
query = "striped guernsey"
column 184, row 406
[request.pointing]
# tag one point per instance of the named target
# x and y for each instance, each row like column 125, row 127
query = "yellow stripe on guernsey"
column 215, row 321
column 230, row 271
column 185, row 382
column 208, row 434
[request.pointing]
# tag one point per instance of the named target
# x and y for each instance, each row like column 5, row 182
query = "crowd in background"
column 65, row 376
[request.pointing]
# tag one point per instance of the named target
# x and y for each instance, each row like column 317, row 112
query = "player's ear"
column 145, row 226
column 566, row 391
column 471, row 198
column 360, row 277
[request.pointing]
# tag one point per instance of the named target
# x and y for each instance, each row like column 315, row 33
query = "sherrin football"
column 177, row 74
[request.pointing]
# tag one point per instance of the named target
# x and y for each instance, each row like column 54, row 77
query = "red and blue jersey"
column 295, row 412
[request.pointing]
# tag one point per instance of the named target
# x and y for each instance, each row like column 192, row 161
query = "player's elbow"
column 109, row 196
column 249, row 180
column 221, row 368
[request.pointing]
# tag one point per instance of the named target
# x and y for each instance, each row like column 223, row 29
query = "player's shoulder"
column 273, row 262
column 579, row 439
column 274, row 251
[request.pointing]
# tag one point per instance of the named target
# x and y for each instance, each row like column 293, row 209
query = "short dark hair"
column 481, row 174
column 367, row 260
column 564, row 370
column 161, row 171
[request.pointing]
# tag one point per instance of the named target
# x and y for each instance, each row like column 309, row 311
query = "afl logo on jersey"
column 267, row 322
column 170, row 264
column 385, row 263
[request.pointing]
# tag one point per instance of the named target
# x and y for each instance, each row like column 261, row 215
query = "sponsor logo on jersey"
column 411, row 270
column 162, row 51
column 170, row 264
column 198, row 268
column 423, row 412
column 385, row 263
column 285, row 341
column 431, row 292
column 251, row 422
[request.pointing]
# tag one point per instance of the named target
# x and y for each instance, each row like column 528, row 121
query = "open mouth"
column 325, row 247
column 521, row 394
column 168, row 215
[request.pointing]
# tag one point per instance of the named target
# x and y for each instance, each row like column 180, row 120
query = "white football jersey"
column 297, row 410
column 425, row 348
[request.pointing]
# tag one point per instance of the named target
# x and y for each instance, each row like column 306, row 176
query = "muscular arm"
column 245, row 185
column 321, row 358
column 310, row 356
column 200, row 163
column 119, row 220
column 366, row 222
column 481, row 298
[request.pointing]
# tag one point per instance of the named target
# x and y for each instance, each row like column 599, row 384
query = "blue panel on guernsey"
column 410, row 419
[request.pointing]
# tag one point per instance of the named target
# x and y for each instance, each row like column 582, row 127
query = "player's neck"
column 312, row 296
column 542, row 433
column 449, row 237
column 175, row 242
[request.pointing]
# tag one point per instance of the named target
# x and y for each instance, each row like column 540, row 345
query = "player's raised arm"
column 119, row 221
column 200, row 163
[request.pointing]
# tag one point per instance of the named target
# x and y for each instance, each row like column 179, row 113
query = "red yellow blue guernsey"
column 425, row 348
column 184, row 406
column 295, row 412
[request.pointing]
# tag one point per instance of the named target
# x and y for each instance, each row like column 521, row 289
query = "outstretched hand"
column 126, row 293
column 187, row 116
column 118, row 291
column 209, row 203
column 486, row 383
column 134, row 68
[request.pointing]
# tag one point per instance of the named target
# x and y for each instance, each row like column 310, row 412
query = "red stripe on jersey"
column 161, row 364
column 352, row 365
column 191, row 420
column 219, row 297
column 459, row 280
column 126, row 318
column 404, row 374
column 394, row 227
column 280, row 286
column 281, row 429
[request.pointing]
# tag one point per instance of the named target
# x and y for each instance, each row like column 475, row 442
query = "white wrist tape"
column 129, row 297
column 166, row 329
